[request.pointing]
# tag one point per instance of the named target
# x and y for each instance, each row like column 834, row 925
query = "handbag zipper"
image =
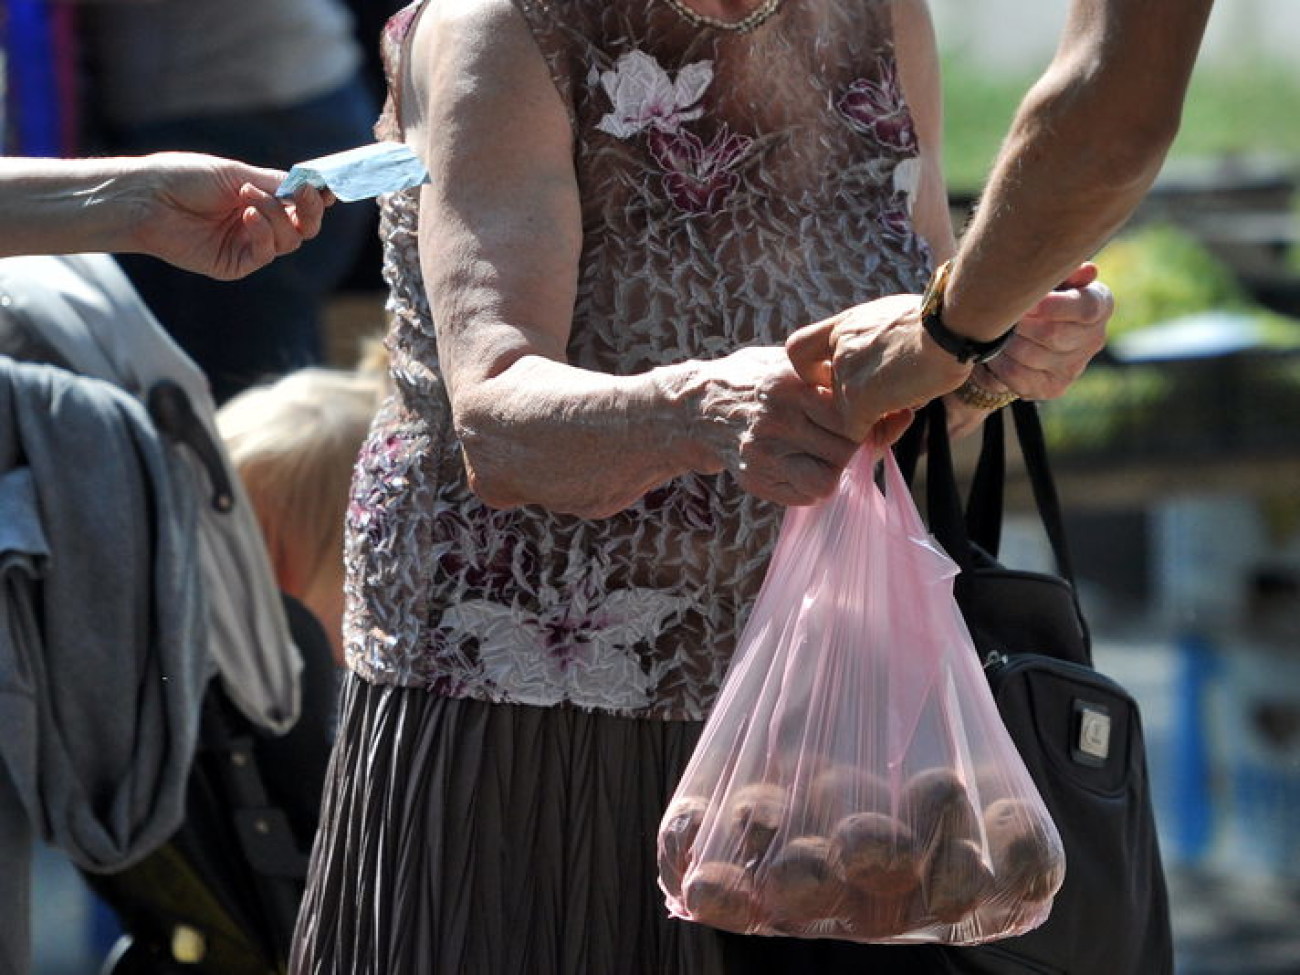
column 995, row 659
column 997, row 663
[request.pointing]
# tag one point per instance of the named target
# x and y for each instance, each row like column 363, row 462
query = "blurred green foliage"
column 1103, row 405
column 1158, row 272
column 1247, row 109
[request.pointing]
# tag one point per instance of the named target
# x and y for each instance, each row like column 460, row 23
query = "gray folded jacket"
column 103, row 636
column 83, row 309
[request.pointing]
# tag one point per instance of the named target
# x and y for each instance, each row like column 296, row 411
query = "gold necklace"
column 746, row 23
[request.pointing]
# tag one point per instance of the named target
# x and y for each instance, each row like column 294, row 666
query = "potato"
column 875, row 853
column 956, row 880
column 840, row 790
column 677, row 833
column 935, row 805
column 869, row 917
column 799, row 885
column 1028, row 867
column 720, row 894
column 754, row 813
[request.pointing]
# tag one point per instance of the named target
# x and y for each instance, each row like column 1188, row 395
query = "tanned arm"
column 1083, row 150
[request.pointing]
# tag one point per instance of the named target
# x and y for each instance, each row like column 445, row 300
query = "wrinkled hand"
column 783, row 439
column 877, row 366
column 220, row 217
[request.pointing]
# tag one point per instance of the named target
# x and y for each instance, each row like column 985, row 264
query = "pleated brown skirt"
column 463, row 837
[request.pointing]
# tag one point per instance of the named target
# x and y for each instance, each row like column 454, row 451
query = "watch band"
column 960, row 347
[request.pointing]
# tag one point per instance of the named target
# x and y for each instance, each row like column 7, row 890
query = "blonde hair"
column 294, row 443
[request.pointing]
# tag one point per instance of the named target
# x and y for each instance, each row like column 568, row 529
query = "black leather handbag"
column 1078, row 731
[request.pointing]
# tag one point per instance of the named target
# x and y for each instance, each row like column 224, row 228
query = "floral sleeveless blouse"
column 734, row 187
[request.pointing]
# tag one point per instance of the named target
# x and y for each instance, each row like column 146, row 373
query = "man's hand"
column 1056, row 339
column 878, row 362
column 1052, row 345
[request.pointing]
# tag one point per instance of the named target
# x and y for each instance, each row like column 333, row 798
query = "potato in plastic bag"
column 854, row 779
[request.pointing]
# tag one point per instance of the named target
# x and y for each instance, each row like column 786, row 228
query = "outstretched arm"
column 202, row 213
column 1083, row 150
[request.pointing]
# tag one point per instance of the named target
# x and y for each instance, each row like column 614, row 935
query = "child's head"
column 294, row 442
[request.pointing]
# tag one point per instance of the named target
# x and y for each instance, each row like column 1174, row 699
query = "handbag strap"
column 961, row 528
column 1033, row 447
column 943, row 501
column 984, row 502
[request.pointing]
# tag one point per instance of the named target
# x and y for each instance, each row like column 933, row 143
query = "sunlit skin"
column 1083, row 150
column 202, row 213
column 500, row 240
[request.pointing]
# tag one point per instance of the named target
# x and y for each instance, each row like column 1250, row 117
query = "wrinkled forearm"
column 579, row 442
column 62, row 206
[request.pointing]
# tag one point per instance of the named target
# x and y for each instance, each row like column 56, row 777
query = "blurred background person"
column 293, row 443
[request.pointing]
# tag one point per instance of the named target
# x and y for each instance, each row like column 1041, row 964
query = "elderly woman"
column 562, row 517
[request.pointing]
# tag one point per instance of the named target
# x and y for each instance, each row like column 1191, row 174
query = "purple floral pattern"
column 876, row 109
column 584, row 649
column 385, row 462
column 698, row 177
column 639, row 613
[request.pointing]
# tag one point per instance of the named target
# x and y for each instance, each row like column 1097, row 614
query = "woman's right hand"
column 782, row 439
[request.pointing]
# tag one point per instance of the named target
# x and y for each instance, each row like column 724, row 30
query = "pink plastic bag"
column 854, row 779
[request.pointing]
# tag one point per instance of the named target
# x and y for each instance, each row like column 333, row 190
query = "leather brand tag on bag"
column 1091, row 745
